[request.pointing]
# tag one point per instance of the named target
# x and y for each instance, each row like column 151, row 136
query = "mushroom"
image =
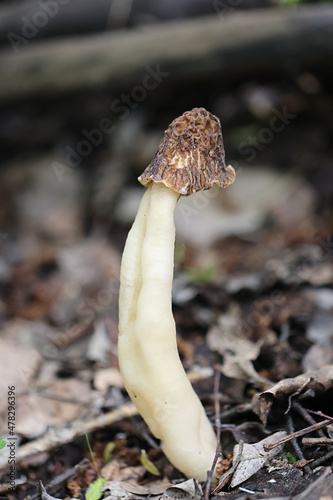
column 190, row 157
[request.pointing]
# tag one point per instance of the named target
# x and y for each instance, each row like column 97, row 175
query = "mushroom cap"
column 191, row 155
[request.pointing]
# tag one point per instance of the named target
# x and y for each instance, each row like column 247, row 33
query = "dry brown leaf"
column 308, row 263
column 18, row 366
column 117, row 470
column 254, row 457
column 125, row 490
column 89, row 272
column 116, row 490
column 156, row 488
column 318, row 380
column 65, row 400
column 319, row 355
column 99, row 344
column 107, row 377
column 237, row 351
column 225, row 478
column 43, row 493
column 188, row 490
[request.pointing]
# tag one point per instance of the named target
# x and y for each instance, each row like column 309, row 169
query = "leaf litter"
column 249, row 330
column 253, row 300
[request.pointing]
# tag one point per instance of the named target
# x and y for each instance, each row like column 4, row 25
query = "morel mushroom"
column 189, row 158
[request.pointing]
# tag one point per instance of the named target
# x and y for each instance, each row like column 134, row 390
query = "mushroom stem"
column 149, row 361
column 190, row 157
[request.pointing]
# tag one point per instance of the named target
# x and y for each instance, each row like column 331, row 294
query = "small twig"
column 307, row 430
column 320, row 414
column 218, row 432
column 67, row 474
column 317, row 441
column 58, row 437
column 232, row 413
column 56, row 483
column 217, row 418
column 321, row 460
column 18, row 482
column 144, row 433
column 63, row 399
column 294, row 442
column 208, row 484
column 307, row 417
column 55, row 438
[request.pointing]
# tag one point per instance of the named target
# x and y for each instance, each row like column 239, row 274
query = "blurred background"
column 86, row 92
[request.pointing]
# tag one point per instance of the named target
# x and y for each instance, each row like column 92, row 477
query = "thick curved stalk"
column 149, row 362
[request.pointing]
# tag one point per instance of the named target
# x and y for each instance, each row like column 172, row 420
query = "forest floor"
column 252, row 300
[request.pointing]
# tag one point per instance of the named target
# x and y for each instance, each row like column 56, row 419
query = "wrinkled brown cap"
column 191, row 155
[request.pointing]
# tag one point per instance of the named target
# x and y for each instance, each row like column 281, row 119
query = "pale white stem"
column 150, row 365
column 130, row 272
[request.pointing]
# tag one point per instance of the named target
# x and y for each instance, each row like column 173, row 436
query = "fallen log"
column 66, row 18
column 241, row 45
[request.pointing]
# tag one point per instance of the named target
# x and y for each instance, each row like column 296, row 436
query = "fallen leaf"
column 237, row 351
column 43, row 493
column 99, row 344
column 254, row 457
column 320, row 328
column 319, row 355
column 147, row 489
column 63, row 401
column 116, row 491
column 224, row 479
column 188, row 490
column 20, row 357
column 117, row 469
column 318, row 380
column 106, row 378
column 5, row 487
